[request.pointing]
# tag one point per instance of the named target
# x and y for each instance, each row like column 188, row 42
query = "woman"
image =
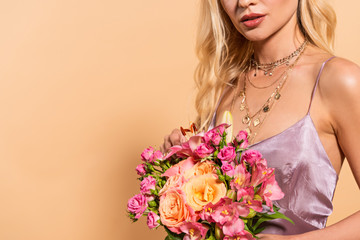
column 270, row 63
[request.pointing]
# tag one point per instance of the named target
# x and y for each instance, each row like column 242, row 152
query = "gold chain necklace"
column 263, row 87
column 270, row 67
column 254, row 121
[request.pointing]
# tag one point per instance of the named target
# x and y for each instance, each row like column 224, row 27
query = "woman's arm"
column 340, row 93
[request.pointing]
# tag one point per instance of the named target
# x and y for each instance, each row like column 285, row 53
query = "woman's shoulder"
column 340, row 76
column 339, row 88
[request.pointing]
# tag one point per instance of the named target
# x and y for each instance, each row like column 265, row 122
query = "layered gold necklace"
column 268, row 68
column 254, row 121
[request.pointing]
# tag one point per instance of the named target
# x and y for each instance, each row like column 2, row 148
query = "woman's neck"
column 280, row 44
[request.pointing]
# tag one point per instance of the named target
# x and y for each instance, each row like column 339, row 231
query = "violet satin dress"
column 304, row 173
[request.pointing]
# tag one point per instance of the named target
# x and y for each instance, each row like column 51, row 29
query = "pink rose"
column 147, row 153
column 147, row 184
column 212, row 136
column 141, row 170
column 152, row 220
column 204, row 150
column 221, row 128
column 194, row 230
column 242, row 139
column 137, row 205
column 227, row 154
column 150, row 155
column 228, row 168
column 157, row 155
column 251, row 156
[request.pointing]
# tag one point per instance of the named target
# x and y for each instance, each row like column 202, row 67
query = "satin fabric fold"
column 304, row 173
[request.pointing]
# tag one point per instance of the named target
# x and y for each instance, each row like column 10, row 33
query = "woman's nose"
column 246, row 3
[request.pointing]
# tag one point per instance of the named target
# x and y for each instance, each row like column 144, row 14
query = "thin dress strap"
column 317, row 81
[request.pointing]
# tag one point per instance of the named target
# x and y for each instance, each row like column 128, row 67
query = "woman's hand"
column 175, row 138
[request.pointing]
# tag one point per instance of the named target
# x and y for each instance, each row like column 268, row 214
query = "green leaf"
column 152, row 204
column 259, row 230
column 246, row 227
column 228, row 178
column 268, row 217
column 281, row 215
column 222, row 178
column 154, row 192
column 205, row 222
column 260, row 221
column 211, row 238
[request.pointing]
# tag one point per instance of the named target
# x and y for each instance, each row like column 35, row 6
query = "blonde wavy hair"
column 224, row 53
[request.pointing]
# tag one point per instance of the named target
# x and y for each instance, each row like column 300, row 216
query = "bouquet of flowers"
column 209, row 187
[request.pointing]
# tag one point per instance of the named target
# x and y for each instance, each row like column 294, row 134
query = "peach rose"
column 174, row 211
column 200, row 168
column 175, row 181
column 202, row 190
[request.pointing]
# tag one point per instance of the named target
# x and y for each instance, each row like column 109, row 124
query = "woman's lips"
column 252, row 20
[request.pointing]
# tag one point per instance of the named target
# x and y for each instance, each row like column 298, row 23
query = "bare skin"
column 335, row 108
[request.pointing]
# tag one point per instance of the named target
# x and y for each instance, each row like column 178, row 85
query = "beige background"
column 84, row 87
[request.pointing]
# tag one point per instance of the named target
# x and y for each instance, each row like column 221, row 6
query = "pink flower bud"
column 157, row 155
column 152, row 220
column 212, row 136
column 147, row 184
column 150, row 155
column 140, row 169
column 147, row 153
column 204, row 150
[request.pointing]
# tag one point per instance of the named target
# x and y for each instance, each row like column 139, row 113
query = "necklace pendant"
column 242, row 94
column 242, row 107
column 266, row 108
column 265, row 73
column 248, row 131
column 246, row 119
column 256, row 122
column 277, row 96
column 270, row 74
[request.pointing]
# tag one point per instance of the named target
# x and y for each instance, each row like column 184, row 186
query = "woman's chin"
column 255, row 37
